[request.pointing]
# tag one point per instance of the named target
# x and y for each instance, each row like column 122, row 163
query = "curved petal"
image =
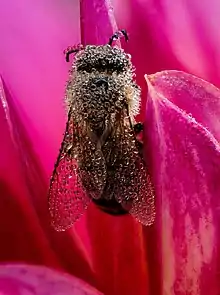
column 193, row 95
column 35, row 280
column 186, row 170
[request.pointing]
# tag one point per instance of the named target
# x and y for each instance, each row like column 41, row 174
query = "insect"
column 99, row 158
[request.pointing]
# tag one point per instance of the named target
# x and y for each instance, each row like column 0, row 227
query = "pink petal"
column 185, row 161
column 33, row 280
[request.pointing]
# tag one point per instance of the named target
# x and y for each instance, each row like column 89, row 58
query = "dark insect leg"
column 124, row 32
column 139, row 127
column 118, row 35
column 72, row 49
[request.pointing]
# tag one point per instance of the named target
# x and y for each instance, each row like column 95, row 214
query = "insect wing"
column 67, row 197
column 135, row 190
column 143, row 204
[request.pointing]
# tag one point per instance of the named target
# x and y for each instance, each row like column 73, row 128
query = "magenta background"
column 164, row 34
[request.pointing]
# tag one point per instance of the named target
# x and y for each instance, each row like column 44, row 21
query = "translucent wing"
column 137, row 189
column 67, row 196
column 129, row 181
